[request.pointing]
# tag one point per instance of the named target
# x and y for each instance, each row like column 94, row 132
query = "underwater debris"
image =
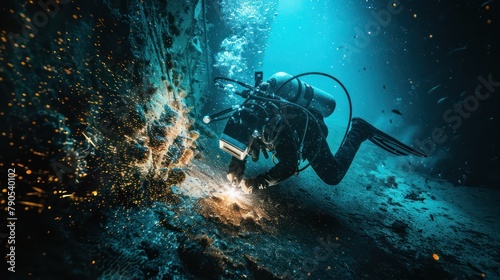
column 390, row 200
column 397, row 112
column 390, row 182
column 435, row 88
column 415, row 196
column 457, row 50
column 442, row 100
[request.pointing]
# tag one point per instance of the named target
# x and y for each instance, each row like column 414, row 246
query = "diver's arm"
column 236, row 171
column 285, row 168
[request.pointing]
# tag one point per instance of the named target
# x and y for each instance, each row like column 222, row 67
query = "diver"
column 285, row 116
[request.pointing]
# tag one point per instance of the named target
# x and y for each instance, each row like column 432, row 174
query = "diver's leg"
column 385, row 141
column 332, row 169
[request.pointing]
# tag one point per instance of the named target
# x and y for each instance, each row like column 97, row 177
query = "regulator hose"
column 336, row 80
column 252, row 96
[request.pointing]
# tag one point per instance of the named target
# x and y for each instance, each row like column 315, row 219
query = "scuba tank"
column 263, row 100
column 300, row 93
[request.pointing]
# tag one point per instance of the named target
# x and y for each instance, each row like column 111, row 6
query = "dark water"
column 392, row 58
column 108, row 171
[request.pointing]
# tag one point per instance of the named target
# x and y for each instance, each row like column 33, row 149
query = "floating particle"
column 442, row 100
column 457, row 50
column 435, row 257
column 397, row 112
column 433, row 89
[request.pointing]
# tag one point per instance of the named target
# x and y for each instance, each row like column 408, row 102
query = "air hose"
column 307, row 112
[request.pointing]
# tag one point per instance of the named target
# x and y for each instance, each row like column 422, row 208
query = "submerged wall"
column 99, row 106
column 104, row 90
column 97, row 110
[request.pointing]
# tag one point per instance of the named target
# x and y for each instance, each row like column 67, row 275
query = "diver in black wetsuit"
column 330, row 168
column 294, row 133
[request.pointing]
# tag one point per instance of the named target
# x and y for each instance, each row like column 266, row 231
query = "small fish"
column 397, row 112
column 383, row 111
column 432, row 217
column 442, row 100
column 457, row 50
column 390, row 120
column 383, row 86
column 433, row 89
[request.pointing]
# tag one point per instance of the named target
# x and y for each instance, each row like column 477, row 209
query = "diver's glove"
column 236, row 171
column 250, row 185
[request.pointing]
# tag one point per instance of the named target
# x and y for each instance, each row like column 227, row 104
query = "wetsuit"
column 330, row 168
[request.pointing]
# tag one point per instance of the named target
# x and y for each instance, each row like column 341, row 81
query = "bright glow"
column 435, row 257
column 231, row 206
column 232, row 194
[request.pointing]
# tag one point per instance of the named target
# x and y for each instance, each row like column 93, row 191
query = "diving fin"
column 392, row 145
column 389, row 143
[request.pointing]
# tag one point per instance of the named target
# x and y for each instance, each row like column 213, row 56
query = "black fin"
column 393, row 146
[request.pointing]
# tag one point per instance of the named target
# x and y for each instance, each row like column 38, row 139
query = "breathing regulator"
column 264, row 102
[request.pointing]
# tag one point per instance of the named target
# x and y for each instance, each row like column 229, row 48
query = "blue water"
column 389, row 55
column 113, row 174
column 316, row 36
